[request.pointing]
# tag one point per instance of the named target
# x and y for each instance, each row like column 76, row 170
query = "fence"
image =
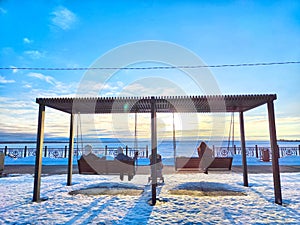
column 256, row 151
column 63, row 152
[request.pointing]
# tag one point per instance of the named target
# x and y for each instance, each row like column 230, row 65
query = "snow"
column 179, row 200
column 195, row 198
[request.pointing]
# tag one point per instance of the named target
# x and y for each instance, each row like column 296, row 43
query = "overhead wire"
column 153, row 67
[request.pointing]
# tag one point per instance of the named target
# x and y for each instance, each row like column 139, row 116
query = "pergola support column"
column 71, row 151
column 135, row 132
column 244, row 154
column 38, row 154
column 153, row 150
column 275, row 153
column 174, row 141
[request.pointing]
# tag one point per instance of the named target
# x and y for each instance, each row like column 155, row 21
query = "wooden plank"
column 220, row 162
column 84, row 167
column 106, row 167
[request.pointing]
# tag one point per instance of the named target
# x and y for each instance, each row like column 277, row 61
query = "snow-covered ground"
column 217, row 198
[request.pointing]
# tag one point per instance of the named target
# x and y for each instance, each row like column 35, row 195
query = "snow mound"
column 202, row 189
column 110, row 189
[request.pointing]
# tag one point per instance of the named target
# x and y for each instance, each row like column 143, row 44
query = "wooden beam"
column 153, row 149
column 39, row 155
column 275, row 154
column 244, row 154
column 71, row 151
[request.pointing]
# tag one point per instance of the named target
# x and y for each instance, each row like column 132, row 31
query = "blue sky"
column 77, row 33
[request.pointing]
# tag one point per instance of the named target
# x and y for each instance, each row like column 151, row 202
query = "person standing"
column 206, row 156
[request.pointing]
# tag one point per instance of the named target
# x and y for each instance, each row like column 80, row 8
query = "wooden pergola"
column 153, row 105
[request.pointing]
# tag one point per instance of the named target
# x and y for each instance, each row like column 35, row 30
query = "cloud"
column 17, row 114
column 15, row 70
column 3, row 80
column 138, row 89
column 7, row 51
column 27, row 85
column 93, row 88
column 2, row 11
column 63, row 18
column 34, row 54
column 56, row 88
column 19, row 119
column 27, row 40
column 43, row 77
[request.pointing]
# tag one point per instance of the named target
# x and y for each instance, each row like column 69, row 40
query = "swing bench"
column 92, row 164
column 217, row 163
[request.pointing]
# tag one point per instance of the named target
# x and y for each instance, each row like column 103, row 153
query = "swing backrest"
column 219, row 163
column 91, row 165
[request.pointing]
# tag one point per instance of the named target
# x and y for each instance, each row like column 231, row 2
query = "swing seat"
column 159, row 168
column 92, row 164
column 1, row 163
column 159, row 174
column 193, row 163
column 160, row 177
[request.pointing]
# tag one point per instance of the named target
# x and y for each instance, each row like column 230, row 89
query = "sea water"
column 165, row 148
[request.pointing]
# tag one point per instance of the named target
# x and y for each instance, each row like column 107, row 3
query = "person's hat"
column 120, row 150
column 88, row 149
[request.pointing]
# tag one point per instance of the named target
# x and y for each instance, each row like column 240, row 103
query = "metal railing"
column 16, row 153
column 256, row 151
column 54, row 152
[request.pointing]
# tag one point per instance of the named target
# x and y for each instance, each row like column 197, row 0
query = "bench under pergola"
column 153, row 105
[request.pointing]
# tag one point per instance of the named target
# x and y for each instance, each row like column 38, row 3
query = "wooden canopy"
column 153, row 105
column 192, row 104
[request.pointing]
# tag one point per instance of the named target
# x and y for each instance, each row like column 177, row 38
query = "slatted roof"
column 183, row 104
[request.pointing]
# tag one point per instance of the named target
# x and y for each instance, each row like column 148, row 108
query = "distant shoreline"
column 113, row 140
column 285, row 140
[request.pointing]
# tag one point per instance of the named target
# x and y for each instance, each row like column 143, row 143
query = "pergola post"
column 71, row 151
column 174, row 141
column 38, row 155
column 153, row 149
column 243, row 145
column 275, row 153
column 135, row 132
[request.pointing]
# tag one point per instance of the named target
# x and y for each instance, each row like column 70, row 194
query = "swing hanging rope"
column 231, row 132
column 79, row 129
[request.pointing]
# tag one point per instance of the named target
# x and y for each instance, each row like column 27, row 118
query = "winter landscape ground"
column 184, row 198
